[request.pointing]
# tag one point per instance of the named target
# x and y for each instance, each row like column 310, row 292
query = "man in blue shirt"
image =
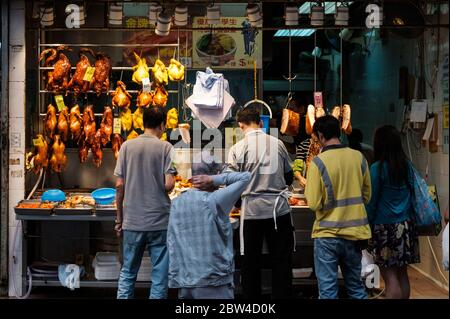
column 200, row 235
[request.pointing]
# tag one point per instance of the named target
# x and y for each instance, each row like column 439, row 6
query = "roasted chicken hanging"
column 106, row 126
column 175, row 70
column 58, row 161
column 83, row 149
column 101, row 74
column 96, row 149
column 160, row 97
column 138, row 119
column 121, row 98
column 133, row 134
column 159, row 71
column 117, row 141
column 172, row 119
column 144, row 99
column 140, row 70
column 57, row 79
column 50, row 121
column 77, row 82
column 346, row 125
column 126, row 119
column 89, row 126
column 40, row 158
column 63, row 123
column 76, row 123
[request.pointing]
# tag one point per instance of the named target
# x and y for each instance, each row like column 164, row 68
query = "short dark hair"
column 248, row 115
column 154, row 117
column 329, row 126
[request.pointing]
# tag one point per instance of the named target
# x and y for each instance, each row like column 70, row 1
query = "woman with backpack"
column 394, row 243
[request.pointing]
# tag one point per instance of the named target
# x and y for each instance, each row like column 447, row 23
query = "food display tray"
column 87, row 210
column 32, row 211
column 105, row 210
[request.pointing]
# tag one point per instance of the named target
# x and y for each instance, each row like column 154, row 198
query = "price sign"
column 37, row 142
column 318, row 101
column 89, row 74
column 60, row 102
column 146, row 86
column 117, row 126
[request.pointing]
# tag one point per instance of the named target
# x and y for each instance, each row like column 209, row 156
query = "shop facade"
column 379, row 72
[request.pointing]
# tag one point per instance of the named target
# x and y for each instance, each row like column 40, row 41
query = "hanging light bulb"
column 291, row 14
column 115, row 13
column 317, row 14
column 154, row 10
column 213, row 14
column 254, row 15
column 181, row 16
column 46, row 14
column 163, row 24
column 342, row 15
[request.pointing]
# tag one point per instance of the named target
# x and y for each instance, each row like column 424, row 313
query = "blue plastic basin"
column 104, row 196
column 53, row 195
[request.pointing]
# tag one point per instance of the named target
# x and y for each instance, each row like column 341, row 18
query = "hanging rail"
column 113, row 45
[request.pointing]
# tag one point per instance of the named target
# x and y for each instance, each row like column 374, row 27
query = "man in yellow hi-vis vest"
column 337, row 189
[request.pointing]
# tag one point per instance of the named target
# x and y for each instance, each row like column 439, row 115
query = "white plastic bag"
column 445, row 248
column 367, row 263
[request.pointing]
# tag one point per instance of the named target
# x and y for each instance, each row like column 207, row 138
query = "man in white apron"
column 265, row 211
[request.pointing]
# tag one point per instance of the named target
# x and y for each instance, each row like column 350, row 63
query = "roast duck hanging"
column 100, row 81
column 40, row 156
column 96, row 148
column 140, row 70
column 144, row 99
column 57, row 79
column 76, row 123
column 63, row 123
column 77, row 83
column 106, row 126
column 83, row 149
column 50, row 121
column 121, row 98
column 89, row 126
column 116, row 144
column 58, row 160
column 175, row 70
column 160, row 96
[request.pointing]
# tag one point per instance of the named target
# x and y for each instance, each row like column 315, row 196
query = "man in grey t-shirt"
column 145, row 176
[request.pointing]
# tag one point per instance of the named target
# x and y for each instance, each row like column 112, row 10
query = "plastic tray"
column 105, row 210
column 85, row 210
column 32, row 211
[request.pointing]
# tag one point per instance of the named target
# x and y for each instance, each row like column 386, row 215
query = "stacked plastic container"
column 106, row 266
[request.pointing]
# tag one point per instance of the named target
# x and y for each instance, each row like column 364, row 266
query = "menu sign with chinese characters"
column 226, row 49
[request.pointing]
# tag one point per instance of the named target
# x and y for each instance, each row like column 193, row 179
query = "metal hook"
column 290, row 78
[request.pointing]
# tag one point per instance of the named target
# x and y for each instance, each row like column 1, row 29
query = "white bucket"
column 181, row 16
column 153, row 11
column 341, row 16
column 115, row 14
column 163, row 25
column 46, row 15
column 317, row 15
column 213, row 14
column 254, row 15
column 291, row 14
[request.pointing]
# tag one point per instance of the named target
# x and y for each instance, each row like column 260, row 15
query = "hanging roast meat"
column 40, row 158
column 346, row 125
column 144, row 99
column 50, row 121
column 83, row 149
column 96, row 149
column 77, row 82
column 58, row 78
column 175, row 70
column 106, row 126
column 102, row 72
column 63, row 123
column 160, row 96
column 117, row 141
column 58, row 161
column 89, row 127
column 121, row 98
column 76, row 123
column 140, row 70
column 160, row 75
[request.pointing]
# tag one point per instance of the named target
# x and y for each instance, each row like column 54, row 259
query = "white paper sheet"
column 418, row 111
